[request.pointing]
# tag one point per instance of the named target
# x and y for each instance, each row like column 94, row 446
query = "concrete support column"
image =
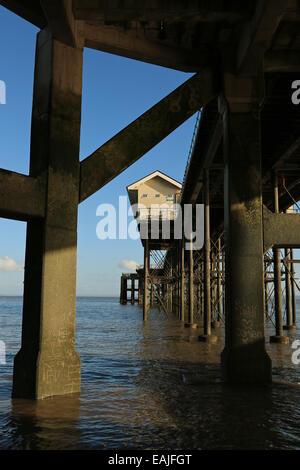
column 169, row 288
column 173, row 286
column 140, row 292
column 151, row 295
column 213, row 287
column 47, row 363
column 207, row 336
column 132, row 291
column 294, row 309
column 266, row 292
column 202, row 291
column 278, row 338
column 223, row 283
column 267, row 306
column 199, row 289
column 288, row 301
column 182, row 280
column 244, row 358
column 191, row 286
column 217, row 322
column 146, row 304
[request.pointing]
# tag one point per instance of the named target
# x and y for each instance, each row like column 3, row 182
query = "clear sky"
column 115, row 92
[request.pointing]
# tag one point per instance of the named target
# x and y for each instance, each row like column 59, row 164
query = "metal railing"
column 157, row 214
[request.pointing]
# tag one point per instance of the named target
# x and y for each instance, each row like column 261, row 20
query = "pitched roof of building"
column 153, row 175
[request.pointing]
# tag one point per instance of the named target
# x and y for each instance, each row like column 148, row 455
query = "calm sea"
column 148, row 386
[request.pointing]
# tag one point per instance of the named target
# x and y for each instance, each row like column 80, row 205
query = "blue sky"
column 115, row 92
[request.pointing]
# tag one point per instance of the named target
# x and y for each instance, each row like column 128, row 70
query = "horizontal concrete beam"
column 145, row 132
column 156, row 10
column 21, row 197
column 134, row 45
column 280, row 230
column 257, row 34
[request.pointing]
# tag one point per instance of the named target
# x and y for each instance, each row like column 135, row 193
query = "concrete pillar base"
column 244, row 364
column 53, row 374
column 212, row 339
column 215, row 324
column 279, row 339
column 289, row 327
column 190, row 325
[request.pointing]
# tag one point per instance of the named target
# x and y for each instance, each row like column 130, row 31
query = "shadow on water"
column 152, row 386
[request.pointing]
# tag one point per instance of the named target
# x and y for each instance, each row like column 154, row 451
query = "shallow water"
column 133, row 395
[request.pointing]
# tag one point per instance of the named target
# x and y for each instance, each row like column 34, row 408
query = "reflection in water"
column 46, row 424
column 133, row 393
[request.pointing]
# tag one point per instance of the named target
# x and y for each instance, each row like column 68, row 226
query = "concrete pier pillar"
column 191, row 285
column 132, row 293
column 288, row 300
column 266, row 292
column 177, row 281
column 146, row 304
column 140, row 291
column 244, row 358
column 151, row 295
column 207, row 336
column 293, row 293
column 169, row 288
column 223, row 284
column 47, row 363
column 173, row 286
column 278, row 338
column 182, row 280
column 202, row 291
column 218, row 290
column 199, row 289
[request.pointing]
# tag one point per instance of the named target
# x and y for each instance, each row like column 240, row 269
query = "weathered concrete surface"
column 257, row 34
column 244, row 358
column 182, row 35
column 61, row 21
column 47, row 363
column 134, row 45
column 21, row 197
column 145, row 132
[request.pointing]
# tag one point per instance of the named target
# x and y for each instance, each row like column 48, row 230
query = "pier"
column 244, row 168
